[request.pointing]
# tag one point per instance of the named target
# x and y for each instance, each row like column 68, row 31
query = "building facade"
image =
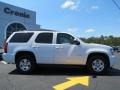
column 14, row 18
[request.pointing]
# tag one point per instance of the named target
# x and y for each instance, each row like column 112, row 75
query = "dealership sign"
column 16, row 13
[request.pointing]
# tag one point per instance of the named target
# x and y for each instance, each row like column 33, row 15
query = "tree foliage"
column 106, row 40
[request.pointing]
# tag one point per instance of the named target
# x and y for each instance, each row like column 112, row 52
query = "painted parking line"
column 3, row 62
column 83, row 80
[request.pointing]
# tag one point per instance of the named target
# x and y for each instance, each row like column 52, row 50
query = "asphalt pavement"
column 56, row 78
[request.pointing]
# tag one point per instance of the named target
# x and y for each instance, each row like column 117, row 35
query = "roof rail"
column 47, row 30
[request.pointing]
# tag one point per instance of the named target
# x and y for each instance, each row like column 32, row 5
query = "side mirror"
column 76, row 42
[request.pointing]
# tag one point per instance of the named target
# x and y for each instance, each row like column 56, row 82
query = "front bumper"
column 112, row 59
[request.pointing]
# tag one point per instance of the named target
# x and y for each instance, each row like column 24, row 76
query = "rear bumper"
column 8, row 57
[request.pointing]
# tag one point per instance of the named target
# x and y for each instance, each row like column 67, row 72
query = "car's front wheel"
column 97, row 64
column 25, row 64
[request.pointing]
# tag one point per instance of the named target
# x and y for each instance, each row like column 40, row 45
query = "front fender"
column 93, row 50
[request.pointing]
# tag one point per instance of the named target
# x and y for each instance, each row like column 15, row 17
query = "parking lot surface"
column 55, row 78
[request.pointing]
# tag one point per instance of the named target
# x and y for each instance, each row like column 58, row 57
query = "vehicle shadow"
column 69, row 71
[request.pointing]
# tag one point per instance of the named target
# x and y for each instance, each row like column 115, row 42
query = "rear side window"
column 21, row 37
column 44, row 38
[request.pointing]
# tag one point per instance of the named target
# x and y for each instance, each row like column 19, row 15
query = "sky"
column 83, row 18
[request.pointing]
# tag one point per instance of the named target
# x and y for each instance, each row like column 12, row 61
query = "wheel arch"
column 98, row 53
column 20, row 53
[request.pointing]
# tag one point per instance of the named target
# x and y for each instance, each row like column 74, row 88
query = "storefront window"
column 14, row 27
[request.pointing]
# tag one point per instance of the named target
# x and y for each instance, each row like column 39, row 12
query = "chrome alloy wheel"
column 98, row 65
column 25, row 65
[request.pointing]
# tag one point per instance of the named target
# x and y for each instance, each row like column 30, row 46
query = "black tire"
column 30, row 59
column 91, row 64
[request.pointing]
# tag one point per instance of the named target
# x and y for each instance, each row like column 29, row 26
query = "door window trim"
column 63, row 43
column 44, row 43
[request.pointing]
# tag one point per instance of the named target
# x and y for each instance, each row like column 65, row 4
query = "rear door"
column 44, row 48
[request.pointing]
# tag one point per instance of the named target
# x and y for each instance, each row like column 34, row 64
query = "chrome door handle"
column 59, row 47
column 35, row 46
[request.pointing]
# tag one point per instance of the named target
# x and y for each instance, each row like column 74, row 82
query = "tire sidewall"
column 32, row 61
column 92, row 59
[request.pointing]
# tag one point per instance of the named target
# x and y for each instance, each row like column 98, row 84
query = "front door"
column 66, row 52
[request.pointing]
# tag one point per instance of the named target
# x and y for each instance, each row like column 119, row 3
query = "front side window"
column 64, row 38
column 44, row 38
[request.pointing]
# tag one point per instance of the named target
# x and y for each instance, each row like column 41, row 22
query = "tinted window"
column 21, row 37
column 44, row 38
column 64, row 38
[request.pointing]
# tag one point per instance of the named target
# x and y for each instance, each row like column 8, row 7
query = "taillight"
column 5, row 47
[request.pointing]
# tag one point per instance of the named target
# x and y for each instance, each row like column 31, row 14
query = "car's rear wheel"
column 97, row 64
column 25, row 64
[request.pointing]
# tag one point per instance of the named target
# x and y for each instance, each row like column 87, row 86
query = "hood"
column 93, row 45
column 100, row 45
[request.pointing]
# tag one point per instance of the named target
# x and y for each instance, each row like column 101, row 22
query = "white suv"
column 28, row 48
